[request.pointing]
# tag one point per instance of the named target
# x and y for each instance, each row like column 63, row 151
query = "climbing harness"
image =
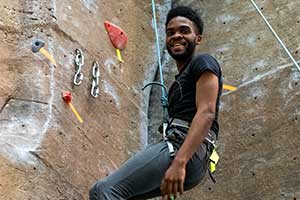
column 275, row 34
column 79, row 62
column 179, row 135
column 95, row 81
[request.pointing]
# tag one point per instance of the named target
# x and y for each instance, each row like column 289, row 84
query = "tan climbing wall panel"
column 45, row 153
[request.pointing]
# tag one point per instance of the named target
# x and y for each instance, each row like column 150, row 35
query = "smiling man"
column 179, row 162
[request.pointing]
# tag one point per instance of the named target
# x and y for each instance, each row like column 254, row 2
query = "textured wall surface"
column 45, row 153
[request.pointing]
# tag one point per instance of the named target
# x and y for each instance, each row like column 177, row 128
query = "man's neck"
column 181, row 63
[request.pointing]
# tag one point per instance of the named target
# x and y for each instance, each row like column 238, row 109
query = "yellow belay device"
column 213, row 161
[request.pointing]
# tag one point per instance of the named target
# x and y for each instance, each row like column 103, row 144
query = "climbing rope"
column 164, row 100
column 275, row 34
column 157, row 47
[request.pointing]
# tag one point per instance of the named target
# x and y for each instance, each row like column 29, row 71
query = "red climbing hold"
column 117, row 36
column 67, row 96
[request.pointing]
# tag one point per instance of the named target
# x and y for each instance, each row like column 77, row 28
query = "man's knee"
column 99, row 191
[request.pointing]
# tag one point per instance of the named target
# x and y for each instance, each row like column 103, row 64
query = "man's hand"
column 172, row 183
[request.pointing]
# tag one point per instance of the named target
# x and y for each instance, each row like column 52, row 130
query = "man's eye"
column 169, row 33
column 184, row 31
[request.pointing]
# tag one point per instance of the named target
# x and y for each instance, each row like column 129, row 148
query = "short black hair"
column 187, row 12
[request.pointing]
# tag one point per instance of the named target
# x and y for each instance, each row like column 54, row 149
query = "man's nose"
column 177, row 35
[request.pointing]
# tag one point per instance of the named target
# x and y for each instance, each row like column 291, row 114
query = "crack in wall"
column 50, row 167
column 19, row 99
column 261, row 77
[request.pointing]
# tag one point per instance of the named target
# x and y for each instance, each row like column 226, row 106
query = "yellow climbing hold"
column 48, row 55
column 75, row 112
column 229, row 87
column 119, row 55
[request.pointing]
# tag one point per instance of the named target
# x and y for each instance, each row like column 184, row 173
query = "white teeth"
column 175, row 45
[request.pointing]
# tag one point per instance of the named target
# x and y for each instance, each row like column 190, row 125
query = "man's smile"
column 178, row 45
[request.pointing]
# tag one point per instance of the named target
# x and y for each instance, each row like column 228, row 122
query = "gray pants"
column 140, row 177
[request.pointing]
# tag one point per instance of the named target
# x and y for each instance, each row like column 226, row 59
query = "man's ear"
column 198, row 39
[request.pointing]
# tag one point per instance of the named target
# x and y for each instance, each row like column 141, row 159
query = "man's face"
column 181, row 38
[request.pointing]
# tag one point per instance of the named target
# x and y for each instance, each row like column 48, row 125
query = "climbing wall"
column 45, row 152
column 259, row 136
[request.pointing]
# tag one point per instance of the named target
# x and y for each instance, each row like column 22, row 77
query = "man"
column 193, row 110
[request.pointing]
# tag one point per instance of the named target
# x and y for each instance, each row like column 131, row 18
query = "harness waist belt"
column 180, row 123
column 210, row 138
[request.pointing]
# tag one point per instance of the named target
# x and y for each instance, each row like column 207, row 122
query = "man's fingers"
column 175, row 189
column 162, row 186
column 181, row 189
column 170, row 188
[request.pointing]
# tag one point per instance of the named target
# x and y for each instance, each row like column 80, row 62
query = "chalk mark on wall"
column 24, row 122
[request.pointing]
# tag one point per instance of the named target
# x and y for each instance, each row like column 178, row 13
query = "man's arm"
column 206, row 96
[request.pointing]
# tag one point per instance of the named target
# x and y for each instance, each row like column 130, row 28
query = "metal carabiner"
column 95, row 82
column 79, row 62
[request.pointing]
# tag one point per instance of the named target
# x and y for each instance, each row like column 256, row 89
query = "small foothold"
column 67, row 96
column 37, row 45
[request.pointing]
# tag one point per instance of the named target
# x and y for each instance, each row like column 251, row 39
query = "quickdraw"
column 79, row 62
column 95, row 82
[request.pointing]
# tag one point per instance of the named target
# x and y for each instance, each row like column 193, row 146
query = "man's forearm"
column 198, row 131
